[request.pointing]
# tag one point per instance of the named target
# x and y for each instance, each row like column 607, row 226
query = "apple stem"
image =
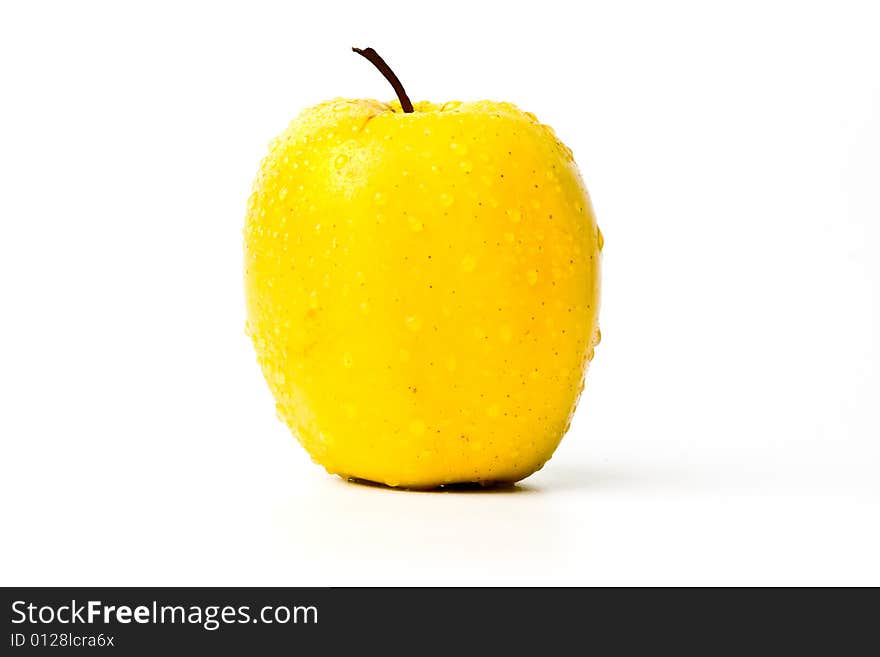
column 385, row 70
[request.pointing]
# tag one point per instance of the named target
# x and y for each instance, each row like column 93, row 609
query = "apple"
column 422, row 286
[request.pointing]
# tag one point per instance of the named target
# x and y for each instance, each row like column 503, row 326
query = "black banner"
column 134, row 621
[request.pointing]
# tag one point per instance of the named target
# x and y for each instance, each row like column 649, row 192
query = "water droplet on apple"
column 340, row 161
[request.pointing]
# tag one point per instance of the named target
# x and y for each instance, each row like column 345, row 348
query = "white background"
column 729, row 430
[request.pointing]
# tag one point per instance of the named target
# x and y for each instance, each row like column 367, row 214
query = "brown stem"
column 385, row 70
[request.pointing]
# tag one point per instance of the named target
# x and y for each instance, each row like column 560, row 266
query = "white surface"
column 729, row 431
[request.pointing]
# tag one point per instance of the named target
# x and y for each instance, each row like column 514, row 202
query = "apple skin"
column 423, row 289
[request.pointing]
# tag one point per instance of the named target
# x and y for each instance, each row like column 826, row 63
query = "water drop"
column 340, row 161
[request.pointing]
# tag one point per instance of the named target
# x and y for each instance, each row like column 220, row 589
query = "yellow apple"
column 422, row 288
